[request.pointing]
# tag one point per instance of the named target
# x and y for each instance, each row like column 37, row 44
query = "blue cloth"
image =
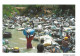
column 65, row 49
column 31, row 32
column 24, row 32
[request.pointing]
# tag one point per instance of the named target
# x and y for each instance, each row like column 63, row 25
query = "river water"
column 19, row 40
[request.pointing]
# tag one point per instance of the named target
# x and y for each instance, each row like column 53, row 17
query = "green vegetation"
column 9, row 11
column 59, row 10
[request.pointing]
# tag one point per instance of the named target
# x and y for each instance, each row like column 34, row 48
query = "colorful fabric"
column 29, row 45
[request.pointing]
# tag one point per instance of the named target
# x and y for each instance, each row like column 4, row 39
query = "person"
column 40, row 47
column 65, row 44
column 32, row 23
column 29, row 33
column 55, row 49
column 29, row 39
column 61, row 31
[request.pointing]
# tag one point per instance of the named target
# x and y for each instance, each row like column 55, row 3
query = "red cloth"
column 29, row 45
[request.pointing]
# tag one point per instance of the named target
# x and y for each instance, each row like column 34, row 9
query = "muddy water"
column 19, row 40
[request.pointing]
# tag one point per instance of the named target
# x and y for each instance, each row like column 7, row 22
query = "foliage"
column 59, row 10
column 64, row 9
column 9, row 11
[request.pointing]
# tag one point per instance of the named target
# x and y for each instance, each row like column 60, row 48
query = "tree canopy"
column 10, row 10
